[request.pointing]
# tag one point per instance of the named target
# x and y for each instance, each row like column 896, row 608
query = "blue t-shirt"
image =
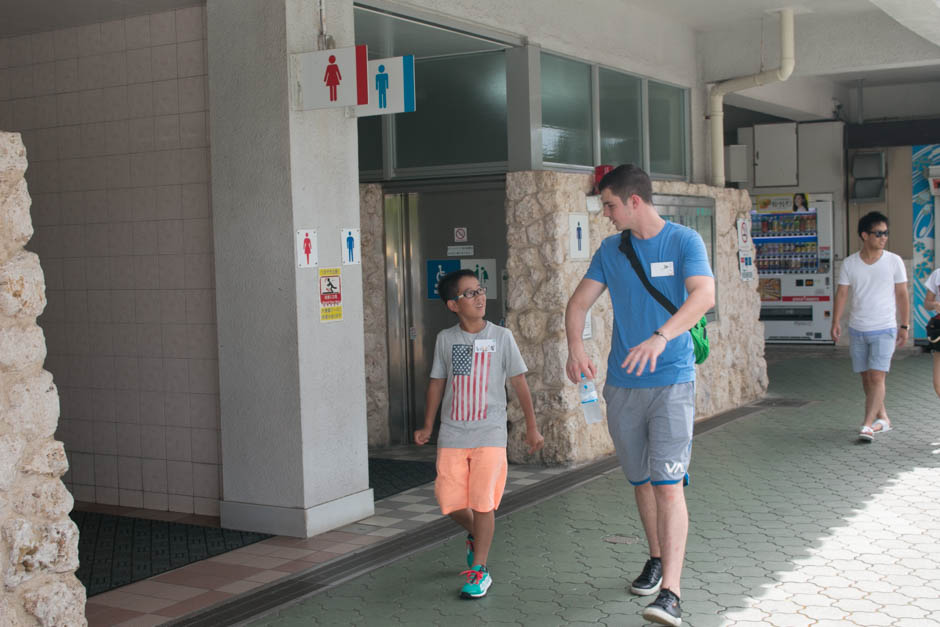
column 637, row 314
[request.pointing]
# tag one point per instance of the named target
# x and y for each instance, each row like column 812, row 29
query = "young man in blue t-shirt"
column 650, row 386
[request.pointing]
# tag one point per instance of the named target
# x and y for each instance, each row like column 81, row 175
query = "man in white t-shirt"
column 878, row 322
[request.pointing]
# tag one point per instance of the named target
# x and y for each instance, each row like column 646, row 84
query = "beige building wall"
column 537, row 208
column 113, row 116
column 896, row 204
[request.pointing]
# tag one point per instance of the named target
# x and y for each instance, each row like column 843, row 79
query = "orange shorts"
column 470, row 477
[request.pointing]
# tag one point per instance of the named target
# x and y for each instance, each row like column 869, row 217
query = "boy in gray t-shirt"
column 472, row 361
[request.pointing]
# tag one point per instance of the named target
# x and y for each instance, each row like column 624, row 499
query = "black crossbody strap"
column 626, row 246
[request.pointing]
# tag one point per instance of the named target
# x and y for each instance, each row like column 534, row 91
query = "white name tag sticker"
column 661, row 268
column 484, row 346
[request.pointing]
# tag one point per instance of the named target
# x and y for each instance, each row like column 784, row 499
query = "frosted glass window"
column 667, row 129
column 461, row 112
column 566, row 111
column 621, row 118
column 370, row 143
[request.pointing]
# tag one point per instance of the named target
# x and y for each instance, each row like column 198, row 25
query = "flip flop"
column 866, row 434
column 885, row 426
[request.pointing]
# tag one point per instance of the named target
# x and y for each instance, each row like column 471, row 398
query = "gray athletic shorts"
column 652, row 431
column 871, row 350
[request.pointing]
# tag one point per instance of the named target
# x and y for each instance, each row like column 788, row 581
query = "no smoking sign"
column 460, row 234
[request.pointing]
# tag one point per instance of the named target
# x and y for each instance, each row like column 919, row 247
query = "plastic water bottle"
column 590, row 406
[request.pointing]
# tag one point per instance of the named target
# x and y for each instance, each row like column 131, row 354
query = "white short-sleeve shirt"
column 874, row 307
column 933, row 281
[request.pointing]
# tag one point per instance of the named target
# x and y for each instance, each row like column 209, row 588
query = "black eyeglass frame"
column 471, row 293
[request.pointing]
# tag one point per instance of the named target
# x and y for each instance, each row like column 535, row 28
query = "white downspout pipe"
column 717, row 94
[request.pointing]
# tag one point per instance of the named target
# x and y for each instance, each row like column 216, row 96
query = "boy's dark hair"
column 626, row 180
column 447, row 286
column 869, row 220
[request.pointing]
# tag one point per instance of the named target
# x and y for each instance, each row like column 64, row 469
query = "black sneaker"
column 650, row 579
column 664, row 610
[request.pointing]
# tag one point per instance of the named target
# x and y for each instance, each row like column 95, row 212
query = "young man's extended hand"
column 422, row 436
column 534, row 440
column 577, row 364
column 836, row 331
column 902, row 337
column 643, row 353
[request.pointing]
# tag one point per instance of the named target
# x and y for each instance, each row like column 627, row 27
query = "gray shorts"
column 652, row 431
column 872, row 350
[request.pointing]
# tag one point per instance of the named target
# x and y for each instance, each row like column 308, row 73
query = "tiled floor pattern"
column 792, row 523
column 196, row 586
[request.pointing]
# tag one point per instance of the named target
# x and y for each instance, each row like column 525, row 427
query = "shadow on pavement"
column 792, row 522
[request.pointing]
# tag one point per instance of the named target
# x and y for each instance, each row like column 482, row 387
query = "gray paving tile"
column 787, row 527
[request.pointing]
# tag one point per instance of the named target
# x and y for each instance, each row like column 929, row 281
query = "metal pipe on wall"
column 717, row 94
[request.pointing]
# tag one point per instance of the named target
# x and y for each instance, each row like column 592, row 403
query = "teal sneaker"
column 478, row 582
column 469, row 550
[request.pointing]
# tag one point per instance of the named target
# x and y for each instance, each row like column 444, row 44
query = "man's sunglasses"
column 879, row 233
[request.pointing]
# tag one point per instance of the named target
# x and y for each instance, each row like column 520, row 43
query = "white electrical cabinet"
column 775, row 155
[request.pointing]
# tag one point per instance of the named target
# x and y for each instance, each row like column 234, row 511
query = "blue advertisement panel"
column 923, row 212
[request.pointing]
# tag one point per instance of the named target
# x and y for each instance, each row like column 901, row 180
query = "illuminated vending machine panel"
column 792, row 235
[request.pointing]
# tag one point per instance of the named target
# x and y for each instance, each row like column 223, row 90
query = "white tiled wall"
column 114, row 117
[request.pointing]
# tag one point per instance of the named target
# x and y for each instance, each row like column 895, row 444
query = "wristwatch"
column 904, row 326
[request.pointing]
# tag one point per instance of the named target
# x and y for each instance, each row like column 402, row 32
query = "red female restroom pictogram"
column 333, row 77
column 330, row 78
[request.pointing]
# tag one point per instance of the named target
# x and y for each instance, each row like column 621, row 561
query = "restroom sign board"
column 306, row 248
column 437, row 269
column 330, row 78
column 485, row 272
column 350, row 245
column 331, row 295
column 579, row 236
column 391, row 84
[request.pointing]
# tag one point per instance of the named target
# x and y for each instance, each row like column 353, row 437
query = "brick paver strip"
column 792, row 523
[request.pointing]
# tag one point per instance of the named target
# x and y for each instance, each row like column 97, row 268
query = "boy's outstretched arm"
column 532, row 436
column 431, row 403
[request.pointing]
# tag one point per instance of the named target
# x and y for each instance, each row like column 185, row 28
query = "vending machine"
column 792, row 236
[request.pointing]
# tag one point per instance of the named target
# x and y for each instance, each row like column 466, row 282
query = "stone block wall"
column 542, row 279
column 372, row 230
column 38, row 542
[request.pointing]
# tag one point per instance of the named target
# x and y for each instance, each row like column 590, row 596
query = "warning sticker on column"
column 331, row 295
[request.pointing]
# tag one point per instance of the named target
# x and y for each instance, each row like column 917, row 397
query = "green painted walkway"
column 792, row 523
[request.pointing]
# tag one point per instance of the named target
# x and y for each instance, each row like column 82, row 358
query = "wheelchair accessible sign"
column 484, row 269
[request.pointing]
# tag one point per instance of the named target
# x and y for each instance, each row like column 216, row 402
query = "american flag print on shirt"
column 471, row 375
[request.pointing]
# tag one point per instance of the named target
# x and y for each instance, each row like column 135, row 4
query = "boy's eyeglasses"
column 471, row 293
column 879, row 233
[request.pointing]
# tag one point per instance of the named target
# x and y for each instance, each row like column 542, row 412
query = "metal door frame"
column 401, row 215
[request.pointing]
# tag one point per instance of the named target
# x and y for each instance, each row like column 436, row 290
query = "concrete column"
column 524, row 107
column 292, row 398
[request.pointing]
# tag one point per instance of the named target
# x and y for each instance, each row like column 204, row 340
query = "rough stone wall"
column 372, row 230
column 541, row 279
column 38, row 542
